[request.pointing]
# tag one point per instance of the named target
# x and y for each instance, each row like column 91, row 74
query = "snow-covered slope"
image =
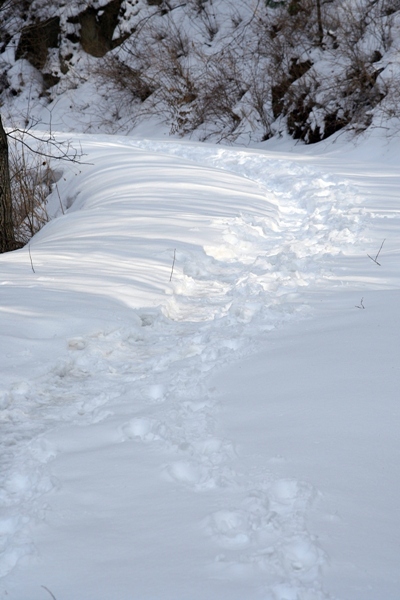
column 242, row 71
column 199, row 380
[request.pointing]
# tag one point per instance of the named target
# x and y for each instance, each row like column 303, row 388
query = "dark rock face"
column 36, row 39
column 94, row 32
column 97, row 28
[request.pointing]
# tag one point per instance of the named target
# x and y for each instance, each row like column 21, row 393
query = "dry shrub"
column 32, row 179
column 309, row 65
column 161, row 73
column 126, row 79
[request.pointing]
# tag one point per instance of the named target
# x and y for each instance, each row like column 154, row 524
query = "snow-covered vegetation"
column 199, row 370
column 217, row 70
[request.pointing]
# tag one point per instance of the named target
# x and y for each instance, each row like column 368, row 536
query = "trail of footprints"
column 163, row 358
column 264, row 528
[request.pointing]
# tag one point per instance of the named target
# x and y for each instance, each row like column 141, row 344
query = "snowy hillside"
column 200, row 379
column 242, row 71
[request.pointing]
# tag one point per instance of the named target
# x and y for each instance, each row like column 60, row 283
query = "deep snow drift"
column 200, row 379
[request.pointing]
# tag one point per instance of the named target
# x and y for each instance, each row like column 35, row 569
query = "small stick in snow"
column 30, row 256
column 173, row 264
column 361, row 304
column 59, row 197
column 51, row 593
column 375, row 260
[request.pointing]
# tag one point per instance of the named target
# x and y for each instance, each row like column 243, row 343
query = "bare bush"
column 31, row 183
column 133, row 82
column 311, row 64
column 31, row 177
column 387, row 112
column 162, row 73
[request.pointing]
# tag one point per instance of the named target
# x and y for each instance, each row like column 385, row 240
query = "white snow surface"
column 200, row 378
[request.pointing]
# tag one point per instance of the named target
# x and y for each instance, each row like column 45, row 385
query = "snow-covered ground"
column 200, row 378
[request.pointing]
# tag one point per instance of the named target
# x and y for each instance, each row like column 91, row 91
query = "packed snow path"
column 172, row 261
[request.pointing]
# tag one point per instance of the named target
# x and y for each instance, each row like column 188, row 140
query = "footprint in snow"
column 155, row 393
column 140, row 429
column 243, row 525
column 77, row 343
column 301, row 555
column 196, row 476
column 290, row 496
column 43, row 450
column 199, row 476
column 267, row 531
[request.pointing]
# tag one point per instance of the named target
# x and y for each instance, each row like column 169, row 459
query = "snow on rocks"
column 141, row 333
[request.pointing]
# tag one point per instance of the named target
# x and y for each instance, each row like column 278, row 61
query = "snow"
column 199, row 380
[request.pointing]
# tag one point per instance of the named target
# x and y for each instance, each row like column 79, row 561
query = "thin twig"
column 173, row 264
column 51, row 593
column 59, row 197
column 361, row 304
column 375, row 260
column 30, row 256
column 74, row 158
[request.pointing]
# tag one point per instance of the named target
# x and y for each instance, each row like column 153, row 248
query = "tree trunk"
column 7, row 234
